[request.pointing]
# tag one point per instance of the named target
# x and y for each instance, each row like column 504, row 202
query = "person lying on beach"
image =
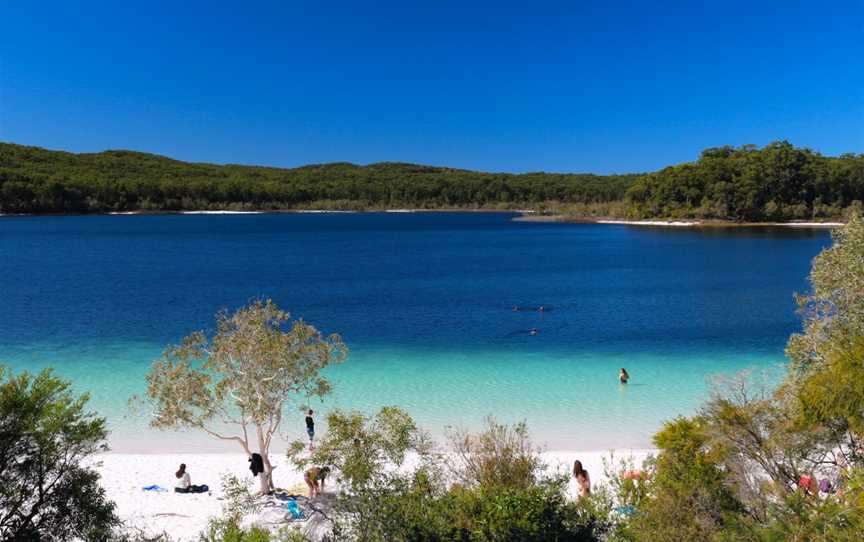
column 623, row 376
column 582, row 478
column 314, row 478
column 184, row 482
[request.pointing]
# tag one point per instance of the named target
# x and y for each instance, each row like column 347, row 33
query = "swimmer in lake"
column 623, row 376
column 533, row 331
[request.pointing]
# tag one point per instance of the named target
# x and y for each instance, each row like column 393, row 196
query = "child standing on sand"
column 310, row 429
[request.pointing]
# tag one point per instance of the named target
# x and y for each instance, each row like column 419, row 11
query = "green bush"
column 46, row 489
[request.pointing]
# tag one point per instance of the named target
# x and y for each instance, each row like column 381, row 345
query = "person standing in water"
column 623, row 376
column 310, row 429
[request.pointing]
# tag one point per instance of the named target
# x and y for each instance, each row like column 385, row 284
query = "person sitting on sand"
column 582, row 478
column 623, row 376
column 184, row 483
column 314, row 478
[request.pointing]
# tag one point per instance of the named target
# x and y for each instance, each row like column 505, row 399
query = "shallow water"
column 424, row 301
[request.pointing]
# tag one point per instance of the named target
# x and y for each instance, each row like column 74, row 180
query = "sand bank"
column 668, row 223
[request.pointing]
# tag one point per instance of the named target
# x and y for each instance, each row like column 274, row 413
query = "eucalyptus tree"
column 236, row 384
column 833, row 311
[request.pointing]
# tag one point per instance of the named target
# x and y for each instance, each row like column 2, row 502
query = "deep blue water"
column 424, row 300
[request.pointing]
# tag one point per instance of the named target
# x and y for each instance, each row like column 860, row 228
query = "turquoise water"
column 425, row 303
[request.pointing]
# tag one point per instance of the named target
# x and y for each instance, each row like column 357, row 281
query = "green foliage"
column 360, row 448
column 243, row 376
column 229, row 530
column 689, row 498
column 34, row 180
column 500, row 456
column 499, row 492
column 777, row 182
column 834, row 309
column 46, row 434
column 239, row 501
column 418, row 513
column 833, row 393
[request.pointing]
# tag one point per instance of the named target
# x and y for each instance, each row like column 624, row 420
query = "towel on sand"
column 154, row 488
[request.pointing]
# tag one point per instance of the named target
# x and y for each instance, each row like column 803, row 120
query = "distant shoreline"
column 567, row 219
column 524, row 215
column 273, row 211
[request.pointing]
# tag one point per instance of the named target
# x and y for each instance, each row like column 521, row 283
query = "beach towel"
column 154, row 488
column 294, row 508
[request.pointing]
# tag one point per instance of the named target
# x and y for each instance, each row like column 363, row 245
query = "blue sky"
column 524, row 86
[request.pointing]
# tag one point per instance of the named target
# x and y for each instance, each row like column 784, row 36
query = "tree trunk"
column 266, row 477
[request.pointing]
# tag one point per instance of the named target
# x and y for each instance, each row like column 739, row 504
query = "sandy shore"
column 184, row 516
column 669, row 223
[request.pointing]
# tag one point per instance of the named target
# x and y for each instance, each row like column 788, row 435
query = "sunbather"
column 184, row 482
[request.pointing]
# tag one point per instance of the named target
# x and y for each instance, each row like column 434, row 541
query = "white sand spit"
column 220, row 213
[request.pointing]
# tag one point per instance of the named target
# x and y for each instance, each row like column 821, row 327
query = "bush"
column 45, row 436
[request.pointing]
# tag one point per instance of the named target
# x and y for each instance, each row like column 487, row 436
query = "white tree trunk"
column 266, row 477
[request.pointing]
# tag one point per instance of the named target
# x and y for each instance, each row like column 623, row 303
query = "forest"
column 747, row 183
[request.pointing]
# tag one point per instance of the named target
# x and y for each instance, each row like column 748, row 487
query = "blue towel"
column 294, row 508
column 154, row 488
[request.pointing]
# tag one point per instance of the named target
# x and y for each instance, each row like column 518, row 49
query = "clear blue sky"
column 603, row 86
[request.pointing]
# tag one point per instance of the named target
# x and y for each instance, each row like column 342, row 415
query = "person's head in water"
column 181, row 471
column 534, row 331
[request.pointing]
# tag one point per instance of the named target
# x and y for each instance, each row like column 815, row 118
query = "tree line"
column 777, row 182
column 747, row 183
column 34, row 180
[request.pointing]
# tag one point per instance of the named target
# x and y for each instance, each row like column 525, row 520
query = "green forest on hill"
column 776, row 182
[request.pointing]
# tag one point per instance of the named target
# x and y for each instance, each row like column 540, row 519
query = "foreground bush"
column 46, row 491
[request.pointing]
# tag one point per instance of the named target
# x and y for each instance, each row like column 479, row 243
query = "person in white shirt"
column 183, row 481
column 184, row 484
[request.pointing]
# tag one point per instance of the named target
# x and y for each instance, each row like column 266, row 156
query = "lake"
column 425, row 303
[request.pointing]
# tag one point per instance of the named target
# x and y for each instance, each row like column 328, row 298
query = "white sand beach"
column 651, row 222
column 183, row 516
column 690, row 223
column 221, row 212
